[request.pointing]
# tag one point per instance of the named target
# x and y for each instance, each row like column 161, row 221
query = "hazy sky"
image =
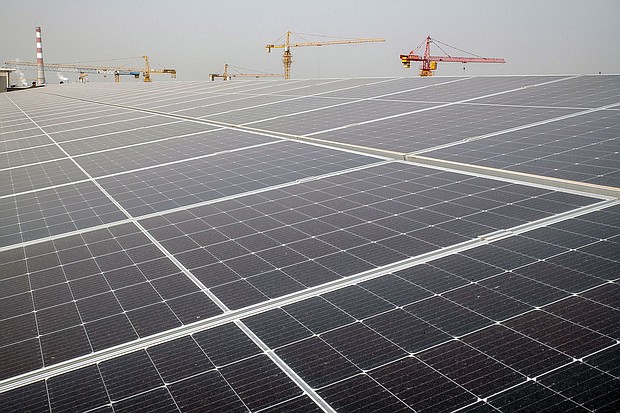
column 198, row 37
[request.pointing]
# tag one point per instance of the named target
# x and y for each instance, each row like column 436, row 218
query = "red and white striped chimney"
column 40, row 68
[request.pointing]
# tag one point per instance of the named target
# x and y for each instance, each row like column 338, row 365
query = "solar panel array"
column 386, row 244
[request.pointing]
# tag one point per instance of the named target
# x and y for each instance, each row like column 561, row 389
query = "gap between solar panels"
column 380, row 271
column 443, row 105
column 247, row 95
column 522, row 177
column 177, row 209
column 273, row 134
column 133, row 170
column 285, row 367
column 517, row 128
column 353, row 101
column 234, row 315
column 414, row 157
column 308, row 137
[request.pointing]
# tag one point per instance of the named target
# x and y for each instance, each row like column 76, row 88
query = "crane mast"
column 429, row 62
column 147, row 69
column 287, row 56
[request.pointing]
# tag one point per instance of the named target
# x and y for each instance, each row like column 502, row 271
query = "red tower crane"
column 429, row 63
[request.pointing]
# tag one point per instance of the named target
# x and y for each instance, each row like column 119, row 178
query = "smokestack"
column 40, row 69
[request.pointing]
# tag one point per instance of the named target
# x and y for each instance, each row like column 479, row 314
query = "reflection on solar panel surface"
column 583, row 148
column 275, row 246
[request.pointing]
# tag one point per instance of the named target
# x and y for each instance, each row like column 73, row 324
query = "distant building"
column 5, row 78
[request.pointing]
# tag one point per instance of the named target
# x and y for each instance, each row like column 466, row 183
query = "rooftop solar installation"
column 329, row 245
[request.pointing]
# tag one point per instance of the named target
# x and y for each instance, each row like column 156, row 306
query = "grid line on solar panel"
column 335, row 117
column 233, row 103
column 320, row 380
column 554, row 364
column 479, row 87
column 384, row 103
column 188, row 102
column 315, row 87
column 113, row 127
column 21, row 133
column 375, row 97
column 592, row 390
column 58, row 110
column 300, row 382
column 357, row 102
column 601, row 252
column 517, row 359
column 459, row 79
column 579, row 149
column 451, row 101
column 435, row 126
column 79, row 113
column 219, row 252
column 528, row 395
column 124, row 380
column 260, row 112
column 579, row 91
column 11, row 226
column 151, row 154
column 9, row 145
column 210, row 177
column 134, row 137
column 80, row 287
column 95, row 121
column 36, row 155
column 561, row 119
column 141, row 99
column 387, row 87
column 40, row 176
column 55, row 108
column 46, row 213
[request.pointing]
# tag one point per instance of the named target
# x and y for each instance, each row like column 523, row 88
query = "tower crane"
column 429, row 62
column 287, row 56
column 228, row 76
column 104, row 70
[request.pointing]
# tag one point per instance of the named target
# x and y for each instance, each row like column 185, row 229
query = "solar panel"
column 153, row 258
column 582, row 149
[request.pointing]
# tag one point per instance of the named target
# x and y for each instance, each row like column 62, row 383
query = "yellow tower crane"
column 147, row 70
column 228, row 76
column 287, row 56
column 104, row 70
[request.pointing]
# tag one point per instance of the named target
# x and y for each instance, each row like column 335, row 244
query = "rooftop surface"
column 337, row 245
